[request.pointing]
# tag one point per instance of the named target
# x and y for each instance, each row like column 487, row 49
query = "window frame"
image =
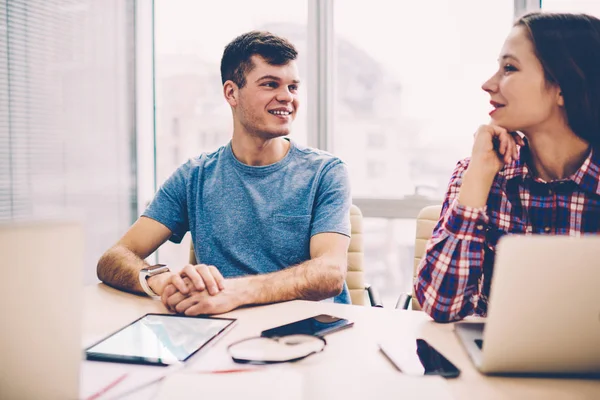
column 145, row 134
column 525, row 6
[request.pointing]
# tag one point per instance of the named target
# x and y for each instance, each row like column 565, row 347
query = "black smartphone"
column 422, row 359
column 319, row 325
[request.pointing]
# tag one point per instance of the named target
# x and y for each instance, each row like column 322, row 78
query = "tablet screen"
column 161, row 339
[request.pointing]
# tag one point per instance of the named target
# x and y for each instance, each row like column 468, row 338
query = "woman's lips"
column 496, row 106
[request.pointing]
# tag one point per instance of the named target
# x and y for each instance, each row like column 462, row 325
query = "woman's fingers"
column 508, row 144
column 518, row 138
column 494, row 147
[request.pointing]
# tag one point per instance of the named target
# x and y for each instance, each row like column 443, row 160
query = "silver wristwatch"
column 146, row 273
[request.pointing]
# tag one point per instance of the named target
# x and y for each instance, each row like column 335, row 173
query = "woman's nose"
column 491, row 85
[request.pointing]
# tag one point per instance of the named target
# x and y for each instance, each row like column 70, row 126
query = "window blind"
column 67, row 126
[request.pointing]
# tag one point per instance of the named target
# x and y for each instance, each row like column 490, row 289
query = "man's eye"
column 271, row 84
column 293, row 88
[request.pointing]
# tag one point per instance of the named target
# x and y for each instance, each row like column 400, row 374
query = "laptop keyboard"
column 479, row 343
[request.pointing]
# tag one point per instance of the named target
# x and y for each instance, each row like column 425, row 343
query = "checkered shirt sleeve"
column 448, row 280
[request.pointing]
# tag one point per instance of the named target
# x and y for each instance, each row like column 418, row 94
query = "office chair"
column 426, row 221
column 355, row 277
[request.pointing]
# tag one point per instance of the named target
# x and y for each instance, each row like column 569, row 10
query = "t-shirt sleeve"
column 333, row 199
column 169, row 206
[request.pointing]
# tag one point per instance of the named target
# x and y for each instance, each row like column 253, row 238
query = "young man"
column 270, row 216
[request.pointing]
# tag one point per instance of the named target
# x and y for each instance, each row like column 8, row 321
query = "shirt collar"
column 587, row 177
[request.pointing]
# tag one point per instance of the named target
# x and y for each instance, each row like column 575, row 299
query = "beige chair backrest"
column 426, row 221
column 355, row 278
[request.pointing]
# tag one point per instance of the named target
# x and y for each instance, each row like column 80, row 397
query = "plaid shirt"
column 454, row 276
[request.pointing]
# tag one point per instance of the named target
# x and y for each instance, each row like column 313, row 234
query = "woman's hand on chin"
column 494, row 147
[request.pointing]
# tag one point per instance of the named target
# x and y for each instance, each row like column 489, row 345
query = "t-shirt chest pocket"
column 290, row 238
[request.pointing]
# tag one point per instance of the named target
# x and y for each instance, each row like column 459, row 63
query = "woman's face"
column 522, row 100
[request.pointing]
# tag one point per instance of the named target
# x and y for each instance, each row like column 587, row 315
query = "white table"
column 350, row 354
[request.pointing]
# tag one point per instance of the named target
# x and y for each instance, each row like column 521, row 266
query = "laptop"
column 544, row 308
column 40, row 339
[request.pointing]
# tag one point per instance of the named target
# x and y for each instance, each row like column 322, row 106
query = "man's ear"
column 231, row 92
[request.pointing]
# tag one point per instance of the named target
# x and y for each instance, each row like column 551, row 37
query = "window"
column 67, row 140
column 190, row 37
column 376, row 169
column 591, row 7
column 376, row 140
column 411, row 72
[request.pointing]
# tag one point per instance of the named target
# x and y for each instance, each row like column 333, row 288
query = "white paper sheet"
column 262, row 384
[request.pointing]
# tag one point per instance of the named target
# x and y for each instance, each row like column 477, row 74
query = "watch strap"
column 145, row 273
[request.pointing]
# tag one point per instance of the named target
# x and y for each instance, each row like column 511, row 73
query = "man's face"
column 268, row 103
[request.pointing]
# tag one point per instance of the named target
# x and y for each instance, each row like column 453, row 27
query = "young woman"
column 544, row 180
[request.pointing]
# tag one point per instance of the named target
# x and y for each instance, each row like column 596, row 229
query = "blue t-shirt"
column 249, row 220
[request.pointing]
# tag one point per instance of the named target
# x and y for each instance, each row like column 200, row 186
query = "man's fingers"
column 208, row 278
column 186, row 303
column 178, row 282
column 191, row 272
column 188, row 283
column 199, row 308
column 218, row 277
column 175, row 299
column 168, row 291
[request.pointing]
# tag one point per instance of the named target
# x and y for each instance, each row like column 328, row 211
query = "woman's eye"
column 293, row 88
column 509, row 68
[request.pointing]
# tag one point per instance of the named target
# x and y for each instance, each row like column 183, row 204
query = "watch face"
column 157, row 269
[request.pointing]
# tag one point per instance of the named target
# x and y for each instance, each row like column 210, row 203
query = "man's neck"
column 255, row 151
column 557, row 156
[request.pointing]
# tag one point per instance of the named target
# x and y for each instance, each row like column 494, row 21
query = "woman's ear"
column 560, row 100
column 231, row 93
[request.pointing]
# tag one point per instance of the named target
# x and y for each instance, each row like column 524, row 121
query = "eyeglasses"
column 264, row 350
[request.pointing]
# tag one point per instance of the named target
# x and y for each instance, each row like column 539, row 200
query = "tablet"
column 159, row 339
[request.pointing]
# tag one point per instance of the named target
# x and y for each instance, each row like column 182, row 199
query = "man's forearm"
column 119, row 267
column 316, row 279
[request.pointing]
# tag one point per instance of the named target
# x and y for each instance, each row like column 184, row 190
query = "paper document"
column 340, row 381
column 262, row 384
column 105, row 380
column 301, row 384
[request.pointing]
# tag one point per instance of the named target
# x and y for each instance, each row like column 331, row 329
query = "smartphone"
column 319, row 325
column 419, row 359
